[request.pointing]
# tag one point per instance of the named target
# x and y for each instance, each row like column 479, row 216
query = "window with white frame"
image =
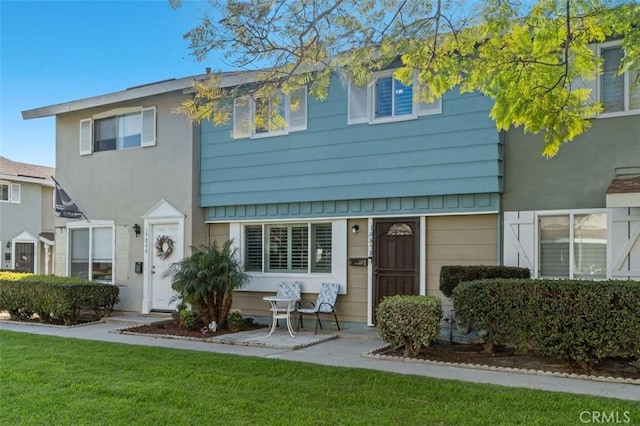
column 616, row 92
column 91, row 253
column 9, row 192
column 573, row 245
column 288, row 248
column 277, row 115
column 118, row 129
column 387, row 99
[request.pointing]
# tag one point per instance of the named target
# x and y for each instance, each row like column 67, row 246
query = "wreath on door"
column 164, row 246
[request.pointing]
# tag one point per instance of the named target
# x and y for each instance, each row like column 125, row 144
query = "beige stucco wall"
column 122, row 185
column 458, row 240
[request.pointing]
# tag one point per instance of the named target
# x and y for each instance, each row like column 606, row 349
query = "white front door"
column 167, row 249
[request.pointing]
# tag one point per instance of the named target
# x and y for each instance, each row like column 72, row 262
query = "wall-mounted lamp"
column 354, row 229
column 8, row 244
column 136, row 229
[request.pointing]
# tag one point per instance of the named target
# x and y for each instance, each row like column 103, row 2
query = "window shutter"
column 241, row 118
column 625, row 243
column 253, row 238
column 298, row 116
column 148, row 127
column 321, row 249
column 14, row 196
column 358, row 102
column 519, row 242
column 86, row 137
column 434, row 107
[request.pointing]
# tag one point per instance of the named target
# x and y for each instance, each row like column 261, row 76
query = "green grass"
column 55, row 381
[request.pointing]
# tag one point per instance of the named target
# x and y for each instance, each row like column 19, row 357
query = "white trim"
column 7, row 179
column 25, row 237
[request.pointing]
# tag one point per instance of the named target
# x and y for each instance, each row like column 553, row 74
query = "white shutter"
column 86, row 137
column 434, row 107
column 625, row 243
column 149, row 126
column 519, row 240
column 241, row 117
column 14, row 193
column 298, row 117
column 358, row 102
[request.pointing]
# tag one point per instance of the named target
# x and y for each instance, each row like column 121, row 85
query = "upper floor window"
column 616, row 92
column 121, row 128
column 277, row 115
column 10, row 193
column 289, row 248
column 387, row 99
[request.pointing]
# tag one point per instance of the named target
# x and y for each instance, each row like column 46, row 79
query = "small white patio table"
column 276, row 315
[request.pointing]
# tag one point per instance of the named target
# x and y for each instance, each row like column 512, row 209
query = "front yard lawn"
column 55, row 381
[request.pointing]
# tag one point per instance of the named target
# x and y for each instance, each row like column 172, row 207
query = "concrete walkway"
column 345, row 349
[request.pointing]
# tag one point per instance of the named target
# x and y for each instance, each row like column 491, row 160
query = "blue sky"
column 59, row 51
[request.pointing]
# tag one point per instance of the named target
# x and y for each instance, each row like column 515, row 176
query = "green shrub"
column 188, row 319
column 578, row 321
column 451, row 276
column 236, row 322
column 52, row 296
column 412, row 321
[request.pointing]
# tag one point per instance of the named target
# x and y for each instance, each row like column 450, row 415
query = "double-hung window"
column 288, row 248
column 278, row 114
column 118, row 129
column 9, row 192
column 387, row 99
column 573, row 245
column 91, row 253
column 616, row 92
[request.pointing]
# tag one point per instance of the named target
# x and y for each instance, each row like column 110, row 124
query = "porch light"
column 354, row 229
column 136, row 229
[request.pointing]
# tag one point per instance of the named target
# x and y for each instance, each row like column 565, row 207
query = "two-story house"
column 369, row 189
column 26, row 217
column 132, row 167
column 578, row 215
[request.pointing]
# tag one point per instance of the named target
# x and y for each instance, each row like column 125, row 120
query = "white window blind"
column 102, row 245
column 242, row 117
column 298, row 110
column 80, row 245
column 321, row 248
column 15, row 193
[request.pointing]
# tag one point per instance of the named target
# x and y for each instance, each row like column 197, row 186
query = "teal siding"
column 397, row 206
column 456, row 152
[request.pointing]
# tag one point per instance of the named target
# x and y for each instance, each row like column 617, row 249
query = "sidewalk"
column 345, row 349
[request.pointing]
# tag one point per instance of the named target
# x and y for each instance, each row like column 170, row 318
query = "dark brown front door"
column 25, row 256
column 396, row 254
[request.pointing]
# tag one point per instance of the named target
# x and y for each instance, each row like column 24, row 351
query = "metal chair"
column 325, row 304
column 290, row 289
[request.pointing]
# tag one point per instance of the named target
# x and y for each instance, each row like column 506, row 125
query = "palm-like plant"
column 206, row 280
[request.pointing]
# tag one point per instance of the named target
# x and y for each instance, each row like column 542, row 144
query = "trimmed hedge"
column 52, row 296
column 452, row 275
column 578, row 321
column 412, row 321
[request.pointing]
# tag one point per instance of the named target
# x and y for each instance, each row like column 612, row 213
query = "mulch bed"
column 474, row 354
column 172, row 328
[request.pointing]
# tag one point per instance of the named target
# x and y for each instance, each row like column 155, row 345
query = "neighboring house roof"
column 624, row 185
column 228, row 79
column 23, row 172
